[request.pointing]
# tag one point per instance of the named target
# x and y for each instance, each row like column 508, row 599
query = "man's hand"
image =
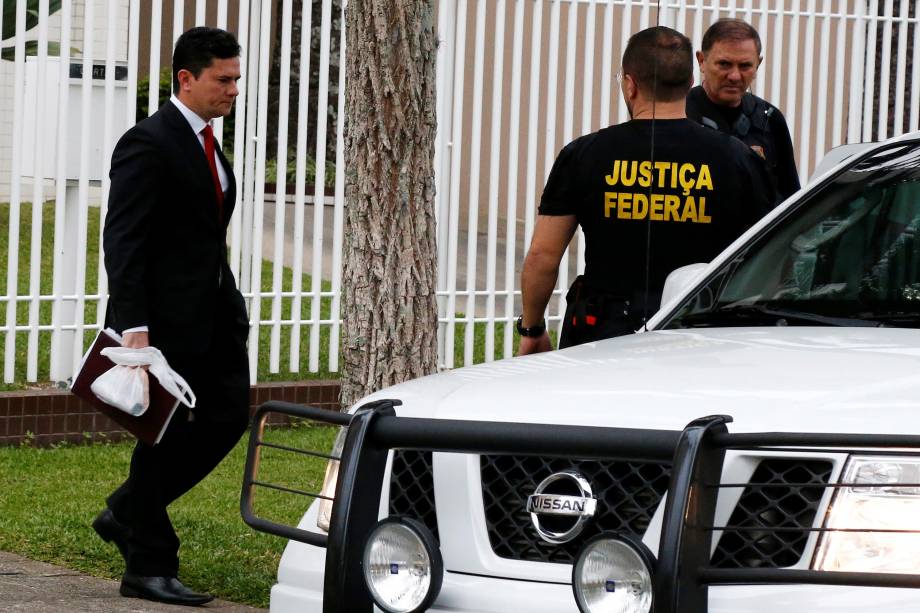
column 535, row 344
column 136, row 340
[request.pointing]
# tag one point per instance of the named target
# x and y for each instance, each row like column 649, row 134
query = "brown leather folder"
column 149, row 427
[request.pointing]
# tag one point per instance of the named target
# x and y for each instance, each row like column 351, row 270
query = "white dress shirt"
column 198, row 124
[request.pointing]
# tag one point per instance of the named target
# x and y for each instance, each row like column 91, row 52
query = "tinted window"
column 850, row 252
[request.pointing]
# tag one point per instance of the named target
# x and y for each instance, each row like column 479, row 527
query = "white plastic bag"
column 125, row 385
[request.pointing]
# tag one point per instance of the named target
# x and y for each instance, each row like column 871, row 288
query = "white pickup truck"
column 757, row 449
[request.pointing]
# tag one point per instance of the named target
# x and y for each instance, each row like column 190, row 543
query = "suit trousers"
column 193, row 445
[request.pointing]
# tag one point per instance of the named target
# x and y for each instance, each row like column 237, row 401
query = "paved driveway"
column 27, row 586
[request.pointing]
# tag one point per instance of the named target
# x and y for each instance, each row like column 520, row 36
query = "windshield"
column 849, row 255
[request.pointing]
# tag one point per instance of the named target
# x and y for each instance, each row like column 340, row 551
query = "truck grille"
column 412, row 487
column 631, row 491
column 783, row 493
column 780, row 495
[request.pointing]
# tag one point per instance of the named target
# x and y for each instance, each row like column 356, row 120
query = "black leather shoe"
column 111, row 530
column 161, row 589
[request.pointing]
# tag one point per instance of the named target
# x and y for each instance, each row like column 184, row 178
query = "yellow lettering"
column 687, row 182
column 661, row 167
column 640, row 206
column 645, row 174
column 704, row 218
column 660, row 207
column 610, row 202
column 705, row 179
column 613, row 177
column 627, row 179
column 656, row 208
column 623, row 211
column 674, row 175
column 689, row 210
column 671, row 204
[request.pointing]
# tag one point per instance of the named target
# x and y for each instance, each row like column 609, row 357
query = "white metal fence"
column 288, row 313
column 517, row 79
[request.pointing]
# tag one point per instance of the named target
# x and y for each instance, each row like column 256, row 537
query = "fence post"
column 447, row 12
column 62, row 341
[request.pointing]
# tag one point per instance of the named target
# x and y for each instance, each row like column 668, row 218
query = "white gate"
column 517, row 79
column 276, row 240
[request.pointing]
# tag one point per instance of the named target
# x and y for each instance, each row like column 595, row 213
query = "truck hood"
column 792, row 379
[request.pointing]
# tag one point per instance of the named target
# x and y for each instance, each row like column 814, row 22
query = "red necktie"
column 208, row 134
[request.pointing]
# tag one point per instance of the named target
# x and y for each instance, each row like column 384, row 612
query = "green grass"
column 285, row 332
column 479, row 341
column 45, row 280
column 50, row 496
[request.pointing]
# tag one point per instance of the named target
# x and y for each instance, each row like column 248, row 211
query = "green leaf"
column 54, row 50
column 9, row 15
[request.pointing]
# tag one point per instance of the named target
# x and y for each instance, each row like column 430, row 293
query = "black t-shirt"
column 701, row 191
column 766, row 128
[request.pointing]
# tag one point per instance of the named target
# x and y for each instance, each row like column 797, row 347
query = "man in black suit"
column 171, row 198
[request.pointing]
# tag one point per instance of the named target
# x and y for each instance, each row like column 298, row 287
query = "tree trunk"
column 389, row 278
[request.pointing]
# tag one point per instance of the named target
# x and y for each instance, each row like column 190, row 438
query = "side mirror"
column 679, row 280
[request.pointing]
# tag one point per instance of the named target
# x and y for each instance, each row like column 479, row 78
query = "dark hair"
column 197, row 48
column 730, row 29
column 660, row 60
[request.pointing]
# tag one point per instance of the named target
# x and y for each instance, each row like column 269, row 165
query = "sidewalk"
column 27, row 586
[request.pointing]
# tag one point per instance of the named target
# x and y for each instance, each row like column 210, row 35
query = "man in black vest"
column 171, row 198
column 729, row 59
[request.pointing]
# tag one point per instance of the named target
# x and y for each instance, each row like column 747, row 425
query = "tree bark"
column 390, row 260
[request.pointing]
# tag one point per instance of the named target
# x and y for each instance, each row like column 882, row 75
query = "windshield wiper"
column 757, row 314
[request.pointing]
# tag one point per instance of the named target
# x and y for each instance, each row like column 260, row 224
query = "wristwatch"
column 537, row 330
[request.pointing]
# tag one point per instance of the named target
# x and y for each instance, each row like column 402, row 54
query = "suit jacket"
column 165, row 246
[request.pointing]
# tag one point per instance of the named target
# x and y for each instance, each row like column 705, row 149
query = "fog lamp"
column 613, row 574
column 324, row 512
column 402, row 565
column 877, row 528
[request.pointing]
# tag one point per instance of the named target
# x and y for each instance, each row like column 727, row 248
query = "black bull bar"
column 683, row 571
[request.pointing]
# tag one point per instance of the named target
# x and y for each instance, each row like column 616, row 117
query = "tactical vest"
column 753, row 122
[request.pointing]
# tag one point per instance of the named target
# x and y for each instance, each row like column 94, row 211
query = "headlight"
column 888, row 507
column 613, row 575
column 324, row 516
column 402, row 566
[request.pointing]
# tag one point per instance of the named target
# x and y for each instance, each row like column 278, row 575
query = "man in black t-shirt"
column 693, row 193
column 729, row 59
